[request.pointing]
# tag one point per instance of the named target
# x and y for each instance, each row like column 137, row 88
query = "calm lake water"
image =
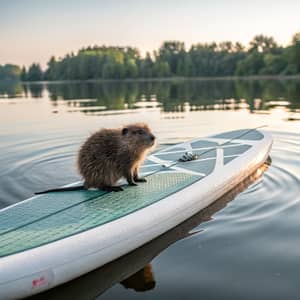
column 244, row 247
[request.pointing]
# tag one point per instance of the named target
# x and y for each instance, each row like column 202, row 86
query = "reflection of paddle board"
column 52, row 238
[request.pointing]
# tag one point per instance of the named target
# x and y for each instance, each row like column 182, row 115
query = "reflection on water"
column 12, row 89
column 141, row 281
column 134, row 270
column 92, row 97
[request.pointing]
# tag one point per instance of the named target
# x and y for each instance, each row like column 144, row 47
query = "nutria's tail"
column 63, row 189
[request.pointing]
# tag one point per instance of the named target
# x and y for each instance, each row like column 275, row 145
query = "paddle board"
column 52, row 238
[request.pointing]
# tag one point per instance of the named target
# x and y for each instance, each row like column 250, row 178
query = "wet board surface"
column 50, row 217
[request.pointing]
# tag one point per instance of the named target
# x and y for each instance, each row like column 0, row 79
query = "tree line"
column 263, row 56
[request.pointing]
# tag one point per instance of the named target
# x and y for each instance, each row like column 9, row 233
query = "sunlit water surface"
column 247, row 250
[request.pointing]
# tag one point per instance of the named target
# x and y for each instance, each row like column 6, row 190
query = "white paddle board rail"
column 52, row 238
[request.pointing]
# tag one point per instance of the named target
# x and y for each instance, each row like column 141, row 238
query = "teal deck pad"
column 244, row 134
column 42, row 206
column 91, row 209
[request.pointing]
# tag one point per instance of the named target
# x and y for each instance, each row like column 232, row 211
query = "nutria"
column 110, row 154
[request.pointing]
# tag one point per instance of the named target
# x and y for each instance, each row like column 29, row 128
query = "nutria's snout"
column 151, row 139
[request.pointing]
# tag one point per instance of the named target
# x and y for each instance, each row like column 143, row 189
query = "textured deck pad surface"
column 86, row 214
column 50, row 217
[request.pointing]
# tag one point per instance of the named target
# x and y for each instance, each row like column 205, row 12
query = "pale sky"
column 34, row 30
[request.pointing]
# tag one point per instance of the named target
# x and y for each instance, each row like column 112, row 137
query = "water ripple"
column 38, row 165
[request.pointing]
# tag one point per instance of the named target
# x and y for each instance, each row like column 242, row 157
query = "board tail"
column 63, row 189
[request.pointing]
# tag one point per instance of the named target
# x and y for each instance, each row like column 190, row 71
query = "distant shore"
column 168, row 79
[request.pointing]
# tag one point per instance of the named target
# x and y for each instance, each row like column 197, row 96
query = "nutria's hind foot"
column 130, row 179
column 141, row 179
column 112, row 188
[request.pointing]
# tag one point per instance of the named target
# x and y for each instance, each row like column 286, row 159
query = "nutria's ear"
column 125, row 131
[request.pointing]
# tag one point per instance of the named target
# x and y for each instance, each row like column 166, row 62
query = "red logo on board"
column 39, row 282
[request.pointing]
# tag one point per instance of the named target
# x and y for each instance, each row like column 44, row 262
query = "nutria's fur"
column 110, row 154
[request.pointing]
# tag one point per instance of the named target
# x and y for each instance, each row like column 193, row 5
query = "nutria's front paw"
column 141, row 179
column 118, row 189
column 113, row 188
column 132, row 183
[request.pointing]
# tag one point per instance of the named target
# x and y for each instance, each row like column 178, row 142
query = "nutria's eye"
column 140, row 131
column 125, row 131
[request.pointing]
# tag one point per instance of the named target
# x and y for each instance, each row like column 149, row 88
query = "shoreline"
column 169, row 79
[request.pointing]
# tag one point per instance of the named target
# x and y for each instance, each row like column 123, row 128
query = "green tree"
column 52, row 70
column 172, row 52
column 131, row 69
column 161, row 69
column 23, row 75
column 263, row 43
column 273, row 64
column 146, row 66
column 35, row 73
column 251, row 65
column 10, row 72
column 295, row 51
column 108, row 70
